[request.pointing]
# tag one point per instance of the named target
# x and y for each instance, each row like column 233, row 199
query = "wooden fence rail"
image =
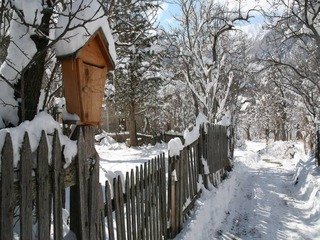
column 138, row 207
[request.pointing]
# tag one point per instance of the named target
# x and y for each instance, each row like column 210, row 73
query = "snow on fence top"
column 81, row 19
column 175, row 146
column 43, row 121
column 192, row 135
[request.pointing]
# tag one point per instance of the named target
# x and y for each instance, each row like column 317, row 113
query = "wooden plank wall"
column 136, row 208
column 217, row 152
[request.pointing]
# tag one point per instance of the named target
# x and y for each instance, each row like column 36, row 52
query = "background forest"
column 249, row 64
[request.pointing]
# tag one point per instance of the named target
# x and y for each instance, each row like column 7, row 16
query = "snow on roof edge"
column 74, row 54
column 73, row 40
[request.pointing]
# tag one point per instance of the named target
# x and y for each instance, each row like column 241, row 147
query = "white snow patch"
column 226, row 119
column 69, row 116
column 42, row 121
column 104, row 139
column 89, row 11
column 192, row 135
column 205, row 165
column 174, row 175
column 174, row 147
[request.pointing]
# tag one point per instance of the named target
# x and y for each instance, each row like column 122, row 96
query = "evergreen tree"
column 137, row 76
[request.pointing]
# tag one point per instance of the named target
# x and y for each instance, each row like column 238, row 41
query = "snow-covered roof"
column 73, row 18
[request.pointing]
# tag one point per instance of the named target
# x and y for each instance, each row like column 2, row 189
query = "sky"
column 168, row 10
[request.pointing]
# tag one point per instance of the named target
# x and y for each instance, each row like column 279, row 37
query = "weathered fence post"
column 94, row 201
column 175, row 192
column 201, row 156
column 57, row 183
column 6, row 200
column 85, row 205
column 108, row 210
column 25, row 184
column 43, row 193
column 79, row 221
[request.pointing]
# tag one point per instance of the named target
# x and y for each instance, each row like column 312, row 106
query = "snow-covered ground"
column 117, row 159
column 268, row 195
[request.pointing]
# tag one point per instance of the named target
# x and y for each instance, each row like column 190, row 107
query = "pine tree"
column 137, row 73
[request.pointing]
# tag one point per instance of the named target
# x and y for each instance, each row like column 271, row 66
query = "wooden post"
column 175, row 199
column 79, row 221
column 57, row 185
column 6, row 201
column 201, row 154
column 128, row 206
column 43, row 183
column 94, row 202
column 172, row 208
column 163, row 202
column 108, row 210
column 26, row 190
column 84, row 201
column 133, row 205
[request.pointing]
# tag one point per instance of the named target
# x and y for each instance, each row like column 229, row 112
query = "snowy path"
column 267, row 209
column 262, row 199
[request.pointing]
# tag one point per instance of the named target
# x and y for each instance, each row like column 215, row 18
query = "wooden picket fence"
column 187, row 172
column 35, row 190
column 20, row 192
column 216, row 152
column 138, row 207
column 139, row 211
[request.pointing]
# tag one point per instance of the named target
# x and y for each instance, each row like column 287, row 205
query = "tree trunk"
column 247, row 130
column 283, row 135
column 267, row 131
column 31, row 78
column 4, row 44
column 132, row 127
column 276, row 135
column 280, row 133
column 30, row 85
column 196, row 104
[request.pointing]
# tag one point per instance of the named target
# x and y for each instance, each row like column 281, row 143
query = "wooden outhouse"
column 84, row 76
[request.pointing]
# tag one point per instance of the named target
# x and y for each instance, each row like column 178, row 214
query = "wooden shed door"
column 95, row 78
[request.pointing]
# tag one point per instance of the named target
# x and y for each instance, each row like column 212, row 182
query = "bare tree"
column 200, row 34
column 294, row 36
column 292, row 52
column 30, row 53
